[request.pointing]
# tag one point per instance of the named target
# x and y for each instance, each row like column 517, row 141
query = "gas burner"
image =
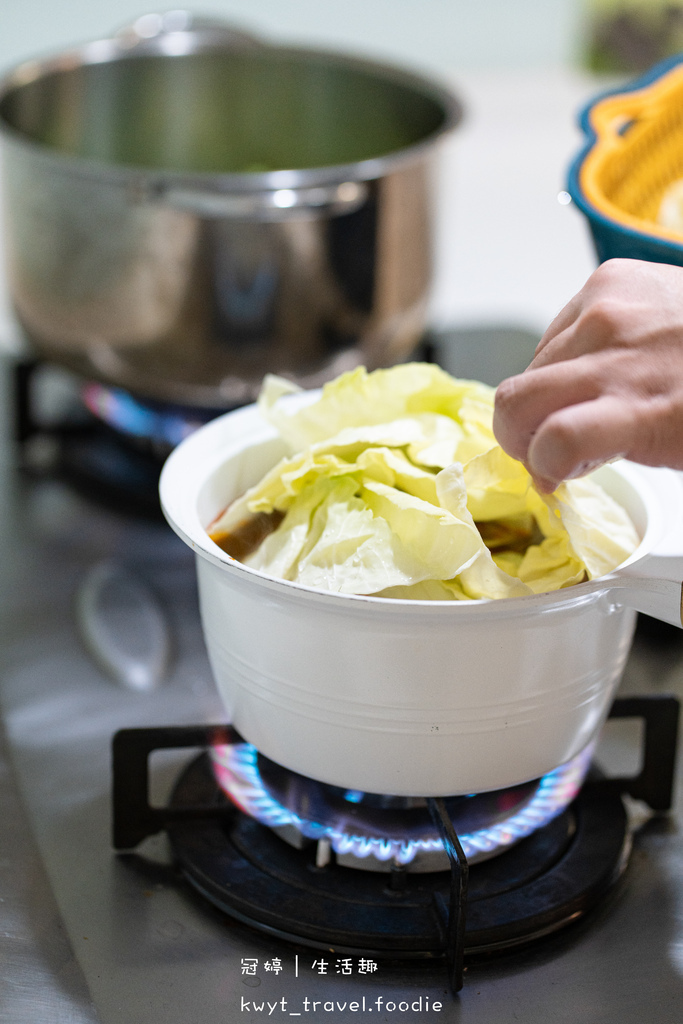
column 549, row 878
column 374, row 832
column 536, row 887
column 107, row 444
column 161, row 427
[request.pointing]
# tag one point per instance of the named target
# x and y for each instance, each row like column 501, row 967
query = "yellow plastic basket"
column 634, row 153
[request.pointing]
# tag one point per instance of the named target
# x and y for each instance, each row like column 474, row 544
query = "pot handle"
column 654, row 584
column 174, row 33
column 660, row 598
column 276, row 204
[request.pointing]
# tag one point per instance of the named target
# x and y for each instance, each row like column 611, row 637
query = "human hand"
column 606, row 380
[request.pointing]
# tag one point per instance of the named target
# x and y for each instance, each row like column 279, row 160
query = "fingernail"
column 545, row 486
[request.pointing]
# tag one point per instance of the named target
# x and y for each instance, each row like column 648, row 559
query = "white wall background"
column 442, row 34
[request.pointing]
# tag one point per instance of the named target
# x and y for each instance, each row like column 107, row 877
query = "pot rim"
column 111, row 50
column 200, row 455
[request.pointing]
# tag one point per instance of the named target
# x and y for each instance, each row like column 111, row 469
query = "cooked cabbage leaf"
column 395, row 486
column 362, row 399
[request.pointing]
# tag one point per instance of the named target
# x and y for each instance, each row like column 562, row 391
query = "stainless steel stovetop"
column 86, row 935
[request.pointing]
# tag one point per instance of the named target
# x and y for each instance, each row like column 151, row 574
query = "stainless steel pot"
column 188, row 208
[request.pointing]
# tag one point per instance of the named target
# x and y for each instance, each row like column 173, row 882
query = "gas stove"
column 89, row 934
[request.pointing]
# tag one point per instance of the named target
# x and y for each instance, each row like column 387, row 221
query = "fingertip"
column 557, row 450
column 541, row 466
column 509, row 439
column 576, row 441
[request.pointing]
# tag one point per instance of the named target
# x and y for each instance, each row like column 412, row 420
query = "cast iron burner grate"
column 547, row 880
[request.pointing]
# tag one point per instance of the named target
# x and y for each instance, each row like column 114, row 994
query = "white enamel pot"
column 408, row 697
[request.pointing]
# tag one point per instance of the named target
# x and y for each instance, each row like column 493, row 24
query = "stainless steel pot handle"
column 267, row 204
column 174, row 33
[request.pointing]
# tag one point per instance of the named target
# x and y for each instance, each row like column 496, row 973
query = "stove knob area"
column 123, row 627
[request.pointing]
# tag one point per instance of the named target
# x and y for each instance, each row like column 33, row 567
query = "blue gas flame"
column 236, row 769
